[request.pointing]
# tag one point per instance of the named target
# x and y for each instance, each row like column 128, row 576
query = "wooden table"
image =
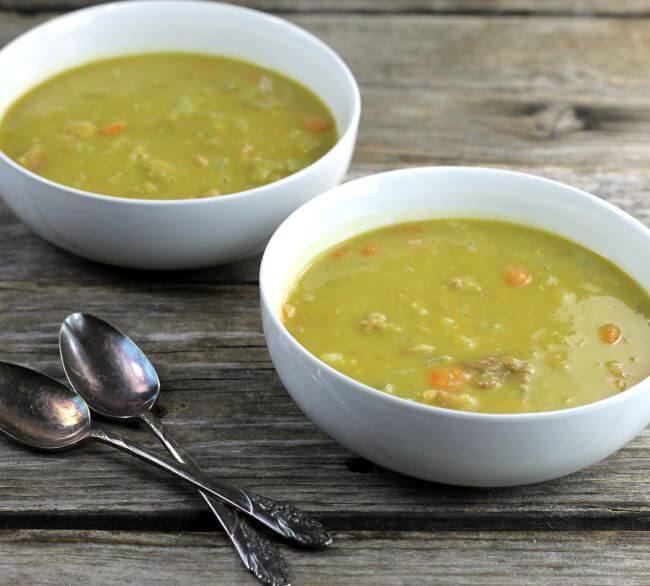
column 555, row 87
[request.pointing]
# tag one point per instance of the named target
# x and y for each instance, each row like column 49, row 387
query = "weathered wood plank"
column 587, row 8
column 364, row 558
column 458, row 90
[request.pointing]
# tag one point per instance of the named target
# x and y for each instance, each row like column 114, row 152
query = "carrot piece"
column 205, row 64
column 518, row 277
column 412, row 229
column 288, row 312
column 609, row 333
column 448, row 377
column 369, row 250
column 253, row 77
column 316, row 124
column 113, row 129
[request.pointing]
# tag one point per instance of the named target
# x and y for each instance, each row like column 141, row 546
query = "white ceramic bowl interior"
column 453, row 447
column 181, row 233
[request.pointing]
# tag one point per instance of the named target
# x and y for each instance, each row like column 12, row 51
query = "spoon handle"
column 255, row 551
column 282, row 518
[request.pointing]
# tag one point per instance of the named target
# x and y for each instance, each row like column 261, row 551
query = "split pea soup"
column 474, row 315
column 167, row 126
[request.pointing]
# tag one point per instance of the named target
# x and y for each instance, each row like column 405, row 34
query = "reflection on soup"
column 167, row 126
column 474, row 315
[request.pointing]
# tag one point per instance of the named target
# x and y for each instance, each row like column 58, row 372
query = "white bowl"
column 181, row 233
column 454, row 447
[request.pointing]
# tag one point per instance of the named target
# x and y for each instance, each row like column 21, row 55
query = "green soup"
column 167, row 126
column 474, row 315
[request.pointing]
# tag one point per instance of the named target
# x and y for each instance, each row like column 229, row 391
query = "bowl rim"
column 306, row 36
column 415, row 406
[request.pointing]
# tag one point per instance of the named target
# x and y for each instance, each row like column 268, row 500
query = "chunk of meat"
column 460, row 401
column 495, row 370
column 246, row 151
column 619, row 375
column 333, row 358
column 200, row 160
column 81, row 128
column 616, row 368
column 375, row 321
column 621, row 384
column 421, row 349
column 378, row 321
column 469, row 284
column 139, row 153
column 158, row 169
column 34, row 159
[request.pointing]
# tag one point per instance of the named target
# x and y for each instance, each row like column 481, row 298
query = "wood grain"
column 539, row 95
column 105, row 558
column 560, row 96
column 558, row 88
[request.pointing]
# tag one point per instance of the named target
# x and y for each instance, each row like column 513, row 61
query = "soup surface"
column 474, row 315
column 167, row 126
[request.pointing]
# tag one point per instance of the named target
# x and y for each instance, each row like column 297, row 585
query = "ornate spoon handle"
column 282, row 518
column 256, row 552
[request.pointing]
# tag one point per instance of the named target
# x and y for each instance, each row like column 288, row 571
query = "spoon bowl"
column 107, row 368
column 39, row 411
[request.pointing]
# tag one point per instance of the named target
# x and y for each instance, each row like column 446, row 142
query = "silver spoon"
column 42, row 413
column 117, row 380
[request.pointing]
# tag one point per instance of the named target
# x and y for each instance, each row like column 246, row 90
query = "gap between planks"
column 396, row 521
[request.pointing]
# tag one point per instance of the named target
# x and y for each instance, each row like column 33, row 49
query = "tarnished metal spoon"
column 42, row 413
column 117, row 380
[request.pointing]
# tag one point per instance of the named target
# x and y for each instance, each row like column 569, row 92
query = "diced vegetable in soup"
column 167, row 126
column 474, row 315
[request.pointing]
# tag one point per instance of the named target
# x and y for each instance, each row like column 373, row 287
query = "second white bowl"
column 176, row 234
column 454, row 447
